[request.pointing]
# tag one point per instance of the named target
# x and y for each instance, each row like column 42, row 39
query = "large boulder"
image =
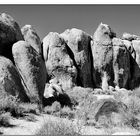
column 59, row 60
column 31, row 68
column 102, row 51
column 9, row 34
column 135, row 66
column 130, row 48
column 121, row 64
column 10, row 82
column 79, row 43
column 30, row 36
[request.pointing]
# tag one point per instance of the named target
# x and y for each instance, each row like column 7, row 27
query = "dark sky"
column 57, row 18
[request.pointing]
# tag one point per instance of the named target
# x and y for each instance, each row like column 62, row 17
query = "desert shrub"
column 57, row 128
column 58, row 111
column 4, row 119
column 17, row 109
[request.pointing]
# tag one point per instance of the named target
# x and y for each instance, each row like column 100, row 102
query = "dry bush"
column 4, row 119
column 59, row 128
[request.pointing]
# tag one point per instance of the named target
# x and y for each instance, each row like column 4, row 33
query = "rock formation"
column 10, row 82
column 59, row 60
column 31, row 68
column 121, row 64
column 31, row 37
column 79, row 43
column 9, row 34
column 102, row 52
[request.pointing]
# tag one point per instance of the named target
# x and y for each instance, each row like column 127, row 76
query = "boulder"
column 31, row 68
column 10, row 82
column 59, row 60
column 9, row 34
column 102, row 51
column 129, row 37
column 130, row 48
column 79, row 43
column 121, row 65
column 31, row 37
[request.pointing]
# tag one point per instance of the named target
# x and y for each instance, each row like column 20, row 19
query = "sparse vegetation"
column 4, row 119
column 57, row 128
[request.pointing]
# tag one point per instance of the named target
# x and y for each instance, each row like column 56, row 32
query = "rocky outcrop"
column 31, row 37
column 79, row 43
column 121, row 64
column 129, row 37
column 10, row 82
column 102, row 51
column 31, row 68
column 59, row 60
column 130, row 48
column 9, row 34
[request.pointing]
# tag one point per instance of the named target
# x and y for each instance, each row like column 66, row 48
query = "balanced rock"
column 9, row 34
column 30, row 36
column 10, row 82
column 102, row 52
column 32, row 69
column 79, row 43
column 59, row 60
column 121, row 64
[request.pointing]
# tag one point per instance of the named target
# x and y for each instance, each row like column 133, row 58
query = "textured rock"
column 130, row 48
column 117, row 42
column 79, row 42
column 59, row 60
column 32, row 69
column 127, row 36
column 30, row 36
column 52, row 90
column 10, row 82
column 102, row 52
column 121, row 66
column 9, row 34
column 135, row 66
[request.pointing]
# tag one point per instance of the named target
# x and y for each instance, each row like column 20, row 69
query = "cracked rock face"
column 31, row 37
column 79, row 43
column 31, row 68
column 9, row 34
column 59, row 60
column 10, row 82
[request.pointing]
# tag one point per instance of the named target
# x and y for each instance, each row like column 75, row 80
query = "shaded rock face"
column 130, row 48
column 79, row 43
column 31, row 37
column 135, row 65
column 9, row 34
column 59, row 60
column 121, row 64
column 31, row 68
column 102, row 52
column 10, row 82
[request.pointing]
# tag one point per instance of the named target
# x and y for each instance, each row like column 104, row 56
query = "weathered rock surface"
column 130, row 37
column 59, row 60
column 79, row 42
column 121, row 64
column 102, row 52
column 10, row 82
column 130, row 48
column 31, row 37
column 32, row 69
column 9, row 34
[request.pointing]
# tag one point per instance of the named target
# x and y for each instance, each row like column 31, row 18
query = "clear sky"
column 57, row 18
